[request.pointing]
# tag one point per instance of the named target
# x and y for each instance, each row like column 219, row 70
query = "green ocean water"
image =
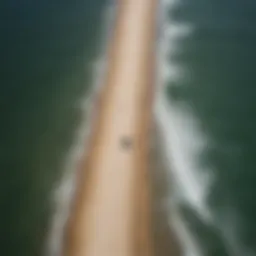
column 47, row 53
column 219, row 58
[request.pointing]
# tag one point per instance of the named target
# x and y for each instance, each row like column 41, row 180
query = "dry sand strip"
column 111, row 215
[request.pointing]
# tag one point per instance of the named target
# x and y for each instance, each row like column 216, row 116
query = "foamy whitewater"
column 181, row 138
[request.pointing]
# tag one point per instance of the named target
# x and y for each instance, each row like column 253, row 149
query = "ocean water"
column 48, row 54
column 205, row 111
column 204, row 114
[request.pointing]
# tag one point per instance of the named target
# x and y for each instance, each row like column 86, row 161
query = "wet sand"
column 111, row 215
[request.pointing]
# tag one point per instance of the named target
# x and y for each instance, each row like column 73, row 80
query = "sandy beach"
column 111, row 215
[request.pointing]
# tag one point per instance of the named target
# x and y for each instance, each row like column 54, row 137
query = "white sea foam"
column 181, row 138
column 182, row 145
